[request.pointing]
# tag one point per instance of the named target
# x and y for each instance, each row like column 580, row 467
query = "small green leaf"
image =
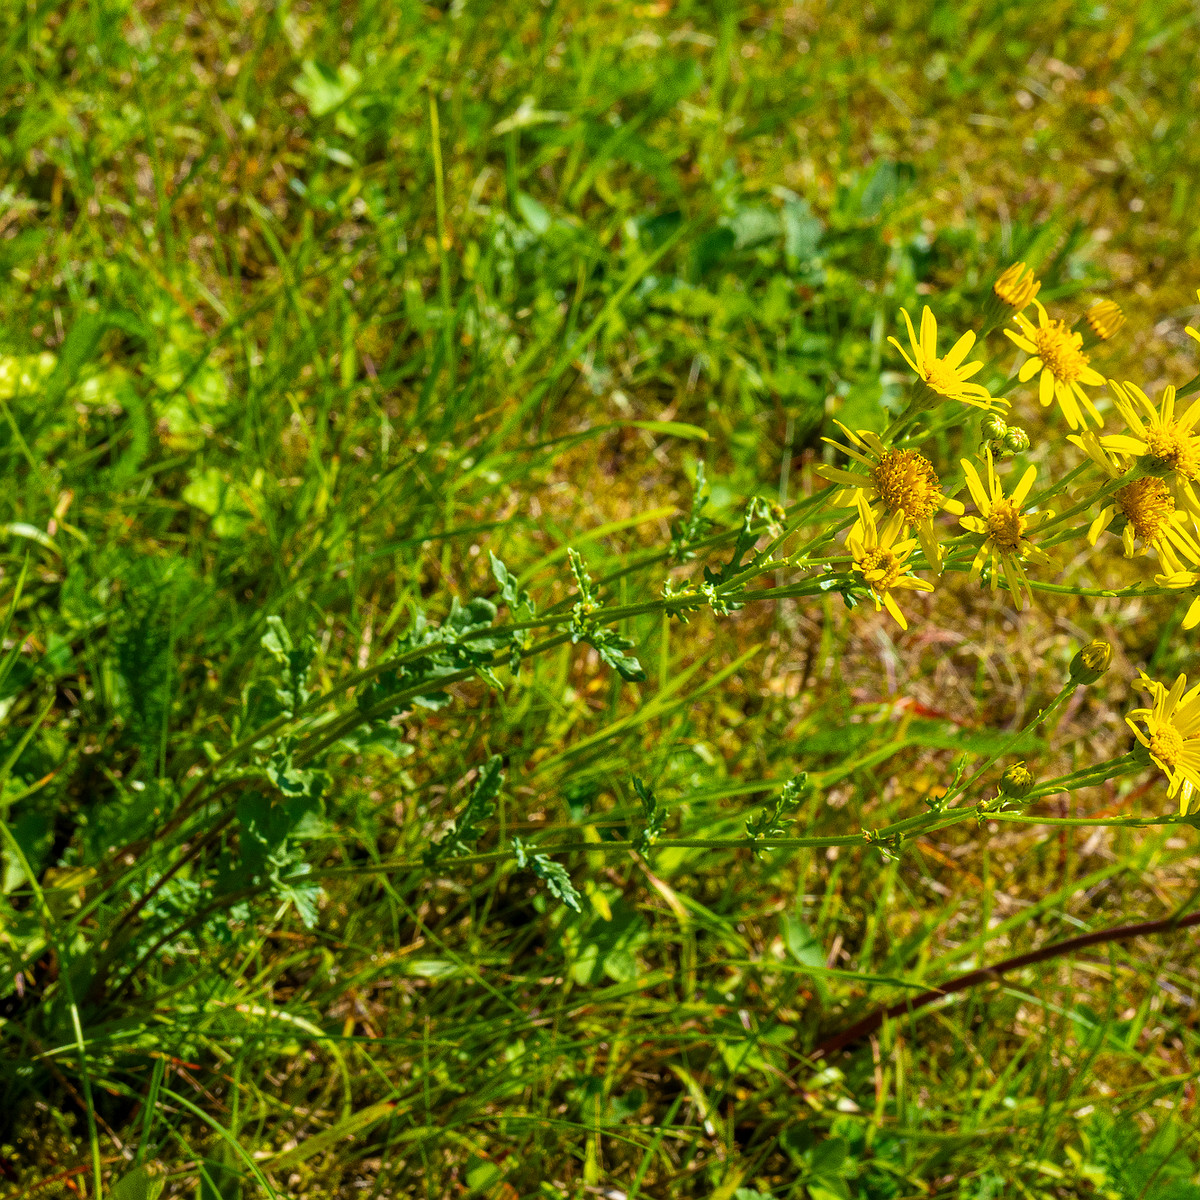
column 553, row 875
column 469, row 826
column 323, row 89
column 656, row 817
column 142, row 1183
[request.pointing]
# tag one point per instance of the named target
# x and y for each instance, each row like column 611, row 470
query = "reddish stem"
column 870, row 1023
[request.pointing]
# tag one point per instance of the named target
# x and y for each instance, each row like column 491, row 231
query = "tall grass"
column 373, row 823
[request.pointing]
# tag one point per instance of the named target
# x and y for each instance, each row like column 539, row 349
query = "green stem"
column 1107, row 490
column 1067, row 691
column 1127, row 764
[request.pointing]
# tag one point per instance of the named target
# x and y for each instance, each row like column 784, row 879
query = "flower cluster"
column 1142, row 458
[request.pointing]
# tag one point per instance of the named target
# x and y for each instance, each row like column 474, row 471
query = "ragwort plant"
column 244, row 827
column 311, row 879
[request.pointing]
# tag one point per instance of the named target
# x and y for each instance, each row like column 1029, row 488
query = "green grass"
column 334, row 302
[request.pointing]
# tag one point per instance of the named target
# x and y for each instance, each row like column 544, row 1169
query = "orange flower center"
column 1166, row 744
column 906, row 480
column 1059, row 349
column 1147, row 506
column 1005, row 525
column 880, row 568
column 1169, row 446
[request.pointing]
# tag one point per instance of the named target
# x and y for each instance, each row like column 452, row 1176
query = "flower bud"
column 1100, row 323
column 1016, row 287
column 1017, row 782
column 1091, row 662
column 1016, row 441
column 1012, row 292
column 993, row 427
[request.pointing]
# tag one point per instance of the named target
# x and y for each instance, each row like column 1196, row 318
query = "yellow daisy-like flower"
column 881, row 557
column 1172, row 734
column 945, row 378
column 1155, row 433
column 1004, row 527
column 894, row 481
column 1150, row 515
column 1057, row 353
column 1195, row 333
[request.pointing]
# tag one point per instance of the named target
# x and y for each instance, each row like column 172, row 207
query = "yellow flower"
column 944, row 377
column 1057, row 353
column 895, row 481
column 1016, row 287
column 1004, row 528
column 1156, row 434
column 882, row 559
column 1188, row 329
column 1150, row 514
column 1172, row 735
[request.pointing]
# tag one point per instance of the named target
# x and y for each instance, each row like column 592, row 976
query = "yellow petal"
column 1172, row 699
column 1046, row 389
column 1022, row 489
column 902, row 351
column 1100, row 524
column 892, row 606
column 1066, row 401
column 1086, row 402
column 1188, row 421
column 960, row 350
column 833, row 475
column 1123, row 444
column 975, row 486
column 928, row 334
column 912, row 337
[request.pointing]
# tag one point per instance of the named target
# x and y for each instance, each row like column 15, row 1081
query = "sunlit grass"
column 306, row 368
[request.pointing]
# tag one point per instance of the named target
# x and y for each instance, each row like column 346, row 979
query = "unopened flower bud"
column 1016, row 441
column 1016, row 287
column 1100, row 322
column 1012, row 292
column 1017, row 782
column 993, row 427
column 1091, row 662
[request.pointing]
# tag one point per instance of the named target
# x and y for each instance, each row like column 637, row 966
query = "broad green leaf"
column 142, row 1183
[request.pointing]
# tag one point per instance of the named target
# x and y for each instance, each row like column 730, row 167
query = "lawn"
column 447, row 749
